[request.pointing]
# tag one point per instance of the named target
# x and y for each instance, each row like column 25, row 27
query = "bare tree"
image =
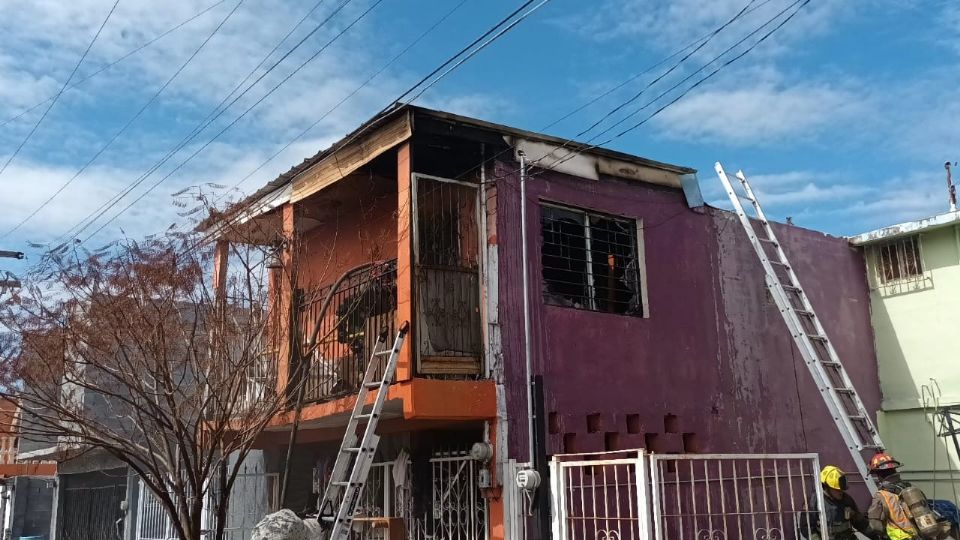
column 183, row 373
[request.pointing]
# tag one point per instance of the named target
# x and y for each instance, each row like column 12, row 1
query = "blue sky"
column 843, row 119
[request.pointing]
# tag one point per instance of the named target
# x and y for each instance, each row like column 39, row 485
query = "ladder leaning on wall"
column 848, row 412
column 352, row 466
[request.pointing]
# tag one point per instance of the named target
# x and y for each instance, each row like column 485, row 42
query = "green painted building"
column 914, row 274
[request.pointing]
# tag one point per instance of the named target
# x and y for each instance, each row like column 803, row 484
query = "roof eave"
column 905, row 229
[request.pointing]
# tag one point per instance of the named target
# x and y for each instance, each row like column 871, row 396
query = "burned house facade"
column 649, row 324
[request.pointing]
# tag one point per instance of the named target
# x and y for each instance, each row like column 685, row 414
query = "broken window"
column 590, row 261
column 899, row 260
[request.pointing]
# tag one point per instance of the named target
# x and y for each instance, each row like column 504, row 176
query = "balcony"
column 362, row 309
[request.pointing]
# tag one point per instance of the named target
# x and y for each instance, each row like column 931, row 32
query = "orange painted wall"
column 351, row 224
column 8, row 434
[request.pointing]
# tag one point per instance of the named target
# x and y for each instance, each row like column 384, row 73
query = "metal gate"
column 458, row 508
column 254, row 495
column 93, row 513
column 446, row 252
column 633, row 495
column 600, row 496
column 734, row 497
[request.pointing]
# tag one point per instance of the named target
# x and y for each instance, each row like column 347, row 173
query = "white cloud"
column 670, row 25
column 761, row 114
column 42, row 40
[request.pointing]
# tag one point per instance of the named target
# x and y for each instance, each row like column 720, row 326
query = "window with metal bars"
column 899, row 260
column 590, row 261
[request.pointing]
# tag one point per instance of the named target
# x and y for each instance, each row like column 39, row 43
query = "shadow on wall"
column 910, row 431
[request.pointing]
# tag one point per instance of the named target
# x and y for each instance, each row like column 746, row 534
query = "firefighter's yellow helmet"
column 832, row 477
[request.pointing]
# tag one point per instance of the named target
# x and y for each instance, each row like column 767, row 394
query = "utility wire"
column 699, row 41
column 636, row 96
column 409, row 91
column 664, row 93
column 127, row 125
column 354, row 92
column 132, row 52
column 203, row 124
column 62, row 88
column 452, row 60
column 740, row 55
column 234, row 122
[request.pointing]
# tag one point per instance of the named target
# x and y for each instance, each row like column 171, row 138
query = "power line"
column 234, row 122
column 62, row 88
column 743, row 53
column 664, row 93
column 699, row 41
column 203, row 124
column 680, row 62
column 127, row 125
column 410, row 90
column 132, row 52
column 353, row 92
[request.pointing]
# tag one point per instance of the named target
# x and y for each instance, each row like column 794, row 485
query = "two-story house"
column 914, row 273
column 650, row 323
column 25, row 485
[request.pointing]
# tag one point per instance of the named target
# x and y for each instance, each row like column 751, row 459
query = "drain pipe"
column 526, row 303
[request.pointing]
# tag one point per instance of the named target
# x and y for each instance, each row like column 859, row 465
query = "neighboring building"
column 24, row 485
column 914, row 273
column 652, row 327
column 96, row 496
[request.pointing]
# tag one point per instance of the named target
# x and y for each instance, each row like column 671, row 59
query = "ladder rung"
column 341, row 483
column 383, row 353
column 329, row 519
column 857, row 417
column 817, row 337
column 873, row 446
column 375, row 384
column 769, row 241
column 780, row 263
column 354, row 450
column 791, row 288
column 848, row 391
column 804, row 312
column 831, row 363
column 367, row 415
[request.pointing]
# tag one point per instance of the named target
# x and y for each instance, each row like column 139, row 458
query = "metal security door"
column 600, row 496
column 93, row 513
column 458, row 508
column 446, row 251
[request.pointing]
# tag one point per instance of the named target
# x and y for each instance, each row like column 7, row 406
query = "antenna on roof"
column 951, row 188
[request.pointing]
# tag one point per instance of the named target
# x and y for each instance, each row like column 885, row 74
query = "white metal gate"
column 254, row 495
column 600, row 496
column 634, row 496
column 734, row 497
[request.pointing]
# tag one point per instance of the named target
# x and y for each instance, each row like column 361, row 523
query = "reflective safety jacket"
column 889, row 515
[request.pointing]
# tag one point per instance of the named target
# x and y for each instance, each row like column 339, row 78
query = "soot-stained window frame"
column 571, row 242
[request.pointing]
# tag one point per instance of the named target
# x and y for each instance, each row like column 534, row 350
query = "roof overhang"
column 906, row 229
column 384, row 132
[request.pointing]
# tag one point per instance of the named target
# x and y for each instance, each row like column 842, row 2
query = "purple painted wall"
column 713, row 368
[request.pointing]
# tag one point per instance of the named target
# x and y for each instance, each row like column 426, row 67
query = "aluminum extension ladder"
column 851, row 417
column 353, row 462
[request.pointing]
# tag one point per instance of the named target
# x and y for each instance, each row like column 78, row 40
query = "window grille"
column 590, row 261
column 899, row 260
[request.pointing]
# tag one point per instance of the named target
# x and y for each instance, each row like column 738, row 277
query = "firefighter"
column 899, row 510
column 842, row 514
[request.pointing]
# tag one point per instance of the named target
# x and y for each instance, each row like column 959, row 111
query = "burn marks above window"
column 590, row 261
column 899, row 260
